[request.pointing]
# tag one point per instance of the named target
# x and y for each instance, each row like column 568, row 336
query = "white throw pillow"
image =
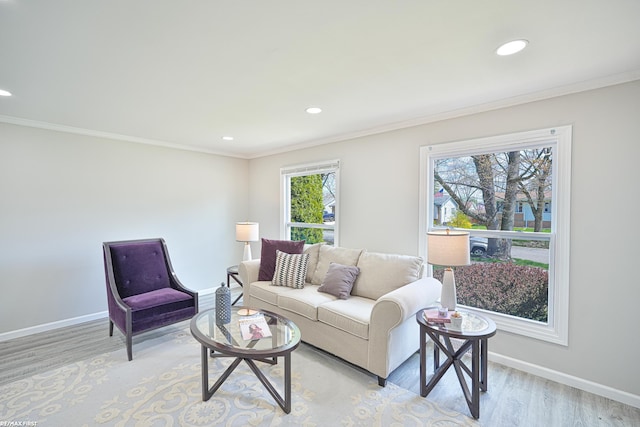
column 329, row 254
column 383, row 273
column 314, row 254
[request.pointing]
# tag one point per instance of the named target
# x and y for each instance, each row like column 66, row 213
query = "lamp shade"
column 448, row 248
column 247, row 231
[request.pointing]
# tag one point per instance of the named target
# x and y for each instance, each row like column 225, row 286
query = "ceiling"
column 188, row 73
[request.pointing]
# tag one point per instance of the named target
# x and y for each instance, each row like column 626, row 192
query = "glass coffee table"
column 232, row 337
column 474, row 333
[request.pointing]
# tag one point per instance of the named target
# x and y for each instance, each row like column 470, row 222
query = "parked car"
column 478, row 245
column 328, row 216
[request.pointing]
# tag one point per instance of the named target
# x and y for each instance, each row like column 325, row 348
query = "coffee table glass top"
column 234, row 336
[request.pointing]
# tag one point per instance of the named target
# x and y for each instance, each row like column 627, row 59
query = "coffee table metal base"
column 284, row 402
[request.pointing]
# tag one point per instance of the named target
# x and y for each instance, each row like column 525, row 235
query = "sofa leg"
column 382, row 381
column 110, row 328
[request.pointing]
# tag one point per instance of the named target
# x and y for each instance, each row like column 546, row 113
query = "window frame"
column 556, row 330
column 286, row 173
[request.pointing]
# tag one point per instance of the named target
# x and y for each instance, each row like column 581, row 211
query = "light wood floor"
column 513, row 399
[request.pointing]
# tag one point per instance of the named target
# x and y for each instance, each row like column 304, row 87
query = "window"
column 309, row 208
column 515, row 192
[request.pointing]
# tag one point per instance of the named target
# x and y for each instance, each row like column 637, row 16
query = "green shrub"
column 309, row 235
column 306, row 207
column 460, row 221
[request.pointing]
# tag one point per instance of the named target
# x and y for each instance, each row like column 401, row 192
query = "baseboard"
column 569, row 380
column 5, row 336
column 207, row 291
column 53, row 325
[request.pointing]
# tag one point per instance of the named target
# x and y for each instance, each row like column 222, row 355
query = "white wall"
column 62, row 195
column 383, row 170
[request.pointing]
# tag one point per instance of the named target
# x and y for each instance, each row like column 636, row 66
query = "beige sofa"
column 375, row 327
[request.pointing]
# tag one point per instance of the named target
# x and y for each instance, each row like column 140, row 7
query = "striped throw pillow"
column 291, row 270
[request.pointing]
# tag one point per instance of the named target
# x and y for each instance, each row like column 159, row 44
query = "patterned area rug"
column 162, row 387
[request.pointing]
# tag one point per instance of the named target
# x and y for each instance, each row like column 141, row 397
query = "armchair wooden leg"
column 382, row 381
column 110, row 328
column 129, row 348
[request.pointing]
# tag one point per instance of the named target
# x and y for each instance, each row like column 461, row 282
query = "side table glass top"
column 472, row 324
column 279, row 333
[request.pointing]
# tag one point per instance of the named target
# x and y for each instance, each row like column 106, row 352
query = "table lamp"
column 448, row 248
column 247, row 232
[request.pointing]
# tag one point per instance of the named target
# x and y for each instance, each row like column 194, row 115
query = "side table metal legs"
column 233, row 274
column 477, row 372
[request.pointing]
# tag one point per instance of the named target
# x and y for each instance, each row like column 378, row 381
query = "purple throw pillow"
column 268, row 255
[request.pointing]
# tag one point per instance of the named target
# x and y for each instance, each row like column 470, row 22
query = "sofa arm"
column 248, row 271
column 391, row 329
column 398, row 305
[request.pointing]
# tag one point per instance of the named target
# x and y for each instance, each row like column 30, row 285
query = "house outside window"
column 309, row 202
column 515, row 190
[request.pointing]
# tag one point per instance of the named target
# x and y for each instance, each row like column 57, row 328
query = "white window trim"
column 285, row 194
column 556, row 330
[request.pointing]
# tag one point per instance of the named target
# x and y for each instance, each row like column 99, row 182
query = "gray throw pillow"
column 339, row 280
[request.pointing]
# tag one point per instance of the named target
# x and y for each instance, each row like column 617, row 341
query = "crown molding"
column 417, row 121
column 465, row 111
column 109, row 135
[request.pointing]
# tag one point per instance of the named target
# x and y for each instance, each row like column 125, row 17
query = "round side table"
column 475, row 333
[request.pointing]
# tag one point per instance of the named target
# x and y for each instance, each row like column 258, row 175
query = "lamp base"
column 448, row 296
column 247, row 252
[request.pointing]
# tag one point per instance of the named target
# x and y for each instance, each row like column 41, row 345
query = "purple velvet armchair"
column 143, row 291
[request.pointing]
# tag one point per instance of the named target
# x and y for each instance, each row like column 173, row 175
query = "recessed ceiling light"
column 227, row 138
column 512, row 47
column 314, row 110
column 4, row 92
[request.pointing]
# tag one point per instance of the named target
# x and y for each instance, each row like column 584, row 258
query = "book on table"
column 254, row 327
column 433, row 316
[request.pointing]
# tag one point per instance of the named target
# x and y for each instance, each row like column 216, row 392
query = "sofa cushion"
column 352, row 315
column 291, row 270
column 382, row 273
column 339, row 280
column 314, row 254
column 268, row 293
column 268, row 255
column 304, row 302
column 329, row 254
